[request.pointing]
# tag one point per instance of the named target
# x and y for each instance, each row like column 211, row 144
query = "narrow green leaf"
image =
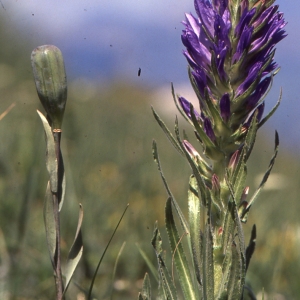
column 167, row 132
column 183, row 269
column 234, row 284
column 75, row 253
column 208, row 264
column 167, row 285
column 264, row 180
column 115, row 269
column 197, row 174
column 148, row 262
column 51, row 160
column 146, row 289
column 226, row 267
column 250, row 137
column 49, row 222
column 251, row 246
column 239, row 183
column 228, row 228
column 270, row 114
column 241, row 239
column 177, row 208
column 194, row 209
column 63, row 185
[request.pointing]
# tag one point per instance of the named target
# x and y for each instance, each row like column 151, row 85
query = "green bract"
column 51, row 82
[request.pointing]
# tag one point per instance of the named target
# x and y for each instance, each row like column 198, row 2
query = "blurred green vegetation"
column 107, row 136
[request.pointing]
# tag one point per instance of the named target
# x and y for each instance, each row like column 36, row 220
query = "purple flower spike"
column 231, row 53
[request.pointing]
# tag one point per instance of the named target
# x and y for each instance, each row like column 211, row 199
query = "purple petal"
column 220, row 56
column 186, row 106
column 196, row 46
column 265, row 16
column 221, row 30
column 258, row 93
column 201, row 80
column 244, row 21
column 270, row 34
column 220, row 5
column 193, row 23
column 225, row 107
column 252, row 76
column 209, row 130
column 243, row 43
column 206, row 14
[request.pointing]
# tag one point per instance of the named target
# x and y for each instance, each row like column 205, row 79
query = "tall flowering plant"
column 230, row 48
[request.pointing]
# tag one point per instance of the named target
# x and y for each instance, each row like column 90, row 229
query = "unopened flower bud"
column 243, row 201
column 215, row 184
column 233, row 160
column 190, row 149
column 51, row 82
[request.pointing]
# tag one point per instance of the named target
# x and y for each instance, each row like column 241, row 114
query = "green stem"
column 56, row 200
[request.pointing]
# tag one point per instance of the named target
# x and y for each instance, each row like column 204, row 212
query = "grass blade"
column 102, row 256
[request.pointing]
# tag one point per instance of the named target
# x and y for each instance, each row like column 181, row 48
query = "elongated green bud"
column 51, row 82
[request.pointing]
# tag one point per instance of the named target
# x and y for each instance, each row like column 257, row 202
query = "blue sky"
column 106, row 39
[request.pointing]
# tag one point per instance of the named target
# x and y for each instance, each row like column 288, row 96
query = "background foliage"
column 107, row 136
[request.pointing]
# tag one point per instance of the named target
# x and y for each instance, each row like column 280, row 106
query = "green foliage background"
column 107, row 136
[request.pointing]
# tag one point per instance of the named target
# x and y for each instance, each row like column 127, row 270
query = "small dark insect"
column 139, row 72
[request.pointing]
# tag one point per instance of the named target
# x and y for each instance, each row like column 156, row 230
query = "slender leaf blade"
column 148, row 262
column 76, row 250
column 264, row 180
column 181, row 263
column 177, row 208
column 167, row 285
column 194, row 210
column 234, row 286
column 51, row 159
column 208, row 264
column 146, row 289
column 167, row 132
